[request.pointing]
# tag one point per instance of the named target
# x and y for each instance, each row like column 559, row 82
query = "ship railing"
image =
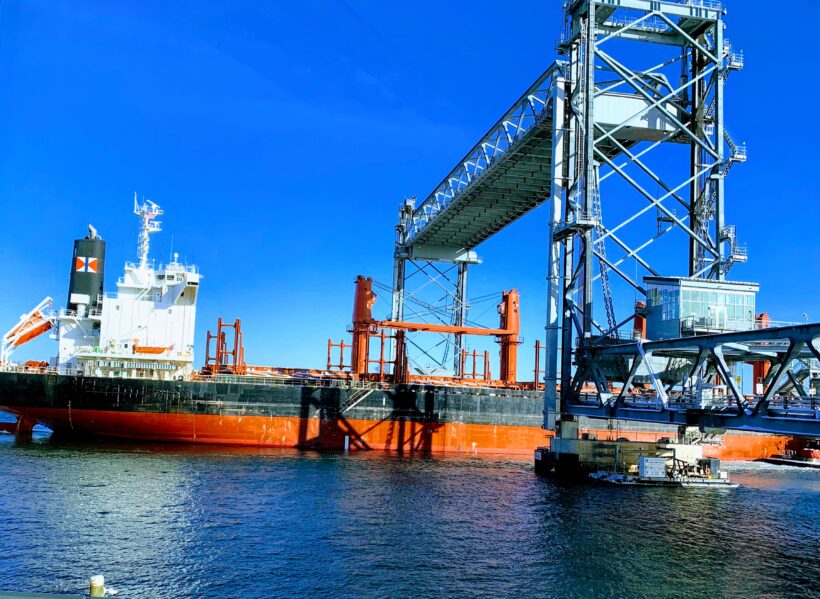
column 96, row 351
column 288, row 381
column 220, row 378
column 177, row 267
column 768, row 323
column 170, row 267
column 713, row 4
column 63, row 371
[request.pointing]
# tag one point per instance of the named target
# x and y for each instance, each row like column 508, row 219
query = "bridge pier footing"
column 575, row 458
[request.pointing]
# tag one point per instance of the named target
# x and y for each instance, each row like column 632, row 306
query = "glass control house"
column 682, row 307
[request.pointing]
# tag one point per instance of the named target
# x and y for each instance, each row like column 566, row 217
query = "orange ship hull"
column 389, row 435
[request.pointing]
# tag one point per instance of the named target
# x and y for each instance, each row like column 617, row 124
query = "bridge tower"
column 641, row 153
column 430, row 285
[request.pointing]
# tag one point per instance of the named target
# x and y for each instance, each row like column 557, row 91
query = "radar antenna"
column 147, row 211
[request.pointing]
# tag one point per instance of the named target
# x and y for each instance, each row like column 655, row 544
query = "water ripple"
column 214, row 522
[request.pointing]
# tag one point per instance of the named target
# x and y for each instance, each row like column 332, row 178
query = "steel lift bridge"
column 625, row 140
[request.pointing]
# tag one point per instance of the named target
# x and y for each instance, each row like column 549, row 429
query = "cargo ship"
column 124, row 369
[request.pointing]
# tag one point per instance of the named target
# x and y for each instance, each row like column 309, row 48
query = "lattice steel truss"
column 626, row 140
column 785, row 400
column 615, row 123
column 430, row 290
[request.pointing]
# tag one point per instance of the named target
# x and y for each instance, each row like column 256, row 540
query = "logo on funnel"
column 85, row 264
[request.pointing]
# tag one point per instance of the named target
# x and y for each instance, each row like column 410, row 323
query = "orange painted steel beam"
column 440, row 328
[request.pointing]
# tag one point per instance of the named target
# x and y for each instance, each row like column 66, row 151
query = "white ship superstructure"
column 145, row 330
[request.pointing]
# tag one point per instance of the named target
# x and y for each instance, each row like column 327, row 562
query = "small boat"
column 617, row 478
column 660, row 472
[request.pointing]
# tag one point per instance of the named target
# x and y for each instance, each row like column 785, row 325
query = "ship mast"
column 147, row 211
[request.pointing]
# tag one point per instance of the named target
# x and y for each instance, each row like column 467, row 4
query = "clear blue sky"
column 281, row 137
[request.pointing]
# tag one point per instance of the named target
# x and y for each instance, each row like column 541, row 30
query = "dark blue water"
column 191, row 522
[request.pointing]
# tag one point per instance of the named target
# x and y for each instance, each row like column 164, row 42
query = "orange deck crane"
column 365, row 327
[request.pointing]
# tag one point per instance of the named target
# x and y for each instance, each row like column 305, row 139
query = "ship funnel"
column 85, row 284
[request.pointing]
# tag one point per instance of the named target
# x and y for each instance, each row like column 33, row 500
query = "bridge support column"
column 460, row 316
column 552, row 408
column 397, row 305
column 399, row 271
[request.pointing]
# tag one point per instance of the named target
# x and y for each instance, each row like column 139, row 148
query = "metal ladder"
column 600, row 248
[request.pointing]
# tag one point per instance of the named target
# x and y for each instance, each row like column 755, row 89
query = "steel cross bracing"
column 672, row 372
column 639, row 180
column 434, row 293
column 626, row 140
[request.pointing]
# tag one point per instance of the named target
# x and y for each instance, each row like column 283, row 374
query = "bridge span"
column 625, row 139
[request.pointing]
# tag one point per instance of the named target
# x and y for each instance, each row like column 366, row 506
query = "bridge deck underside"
column 515, row 183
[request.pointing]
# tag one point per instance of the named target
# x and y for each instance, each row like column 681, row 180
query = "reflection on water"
column 263, row 522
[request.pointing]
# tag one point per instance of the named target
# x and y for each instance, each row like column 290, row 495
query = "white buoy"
column 96, row 586
column 347, row 442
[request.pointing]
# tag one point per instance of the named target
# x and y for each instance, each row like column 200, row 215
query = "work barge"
column 691, row 362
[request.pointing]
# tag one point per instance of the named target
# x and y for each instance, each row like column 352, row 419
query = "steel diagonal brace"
column 669, row 136
column 444, row 276
column 431, row 279
column 814, row 346
column 579, row 328
column 637, row 250
column 631, row 77
column 446, row 338
column 422, row 350
column 726, row 375
column 709, row 266
column 697, row 364
column 642, row 211
column 637, row 360
column 794, row 349
column 578, row 380
column 689, row 38
column 576, row 309
column 575, row 274
column 633, row 25
column 618, row 272
column 661, row 207
column 623, row 72
column 607, row 86
column 798, row 386
column 663, row 400
column 628, row 76
column 631, row 253
column 634, row 159
column 618, row 326
column 599, row 379
column 703, row 354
